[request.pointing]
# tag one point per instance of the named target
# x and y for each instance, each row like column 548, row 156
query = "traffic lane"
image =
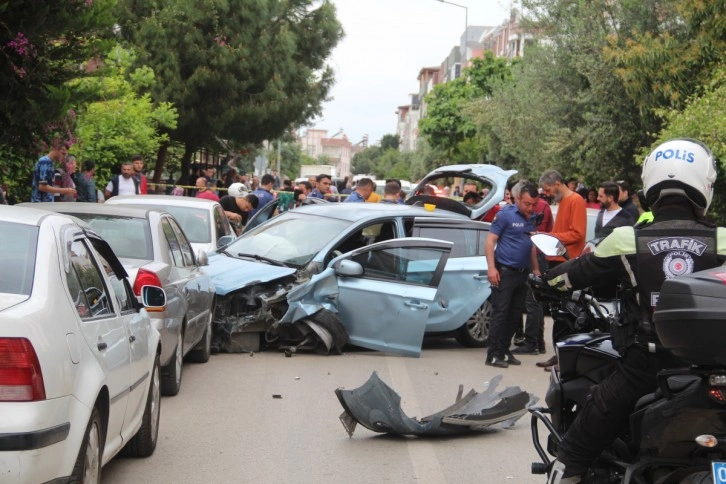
column 226, row 425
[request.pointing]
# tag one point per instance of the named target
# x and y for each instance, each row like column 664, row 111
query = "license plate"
column 718, row 469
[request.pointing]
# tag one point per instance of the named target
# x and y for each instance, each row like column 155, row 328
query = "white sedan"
column 79, row 358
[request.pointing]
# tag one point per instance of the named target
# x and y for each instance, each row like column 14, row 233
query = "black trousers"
column 605, row 415
column 534, row 323
column 507, row 307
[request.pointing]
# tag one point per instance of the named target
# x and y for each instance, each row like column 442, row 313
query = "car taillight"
column 21, row 379
column 718, row 395
column 145, row 278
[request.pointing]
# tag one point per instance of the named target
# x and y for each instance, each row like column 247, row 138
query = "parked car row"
column 100, row 304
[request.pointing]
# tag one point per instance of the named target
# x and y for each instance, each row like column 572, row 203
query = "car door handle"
column 132, row 338
column 481, row 277
column 101, row 346
column 417, row 305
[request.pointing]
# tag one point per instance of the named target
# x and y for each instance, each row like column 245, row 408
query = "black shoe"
column 542, row 348
column 518, row 340
column 497, row 361
column 512, row 360
column 525, row 350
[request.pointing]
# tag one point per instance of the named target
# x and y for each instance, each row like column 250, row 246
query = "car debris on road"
column 377, row 407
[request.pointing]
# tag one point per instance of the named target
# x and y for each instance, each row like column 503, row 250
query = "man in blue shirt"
column 264, row 192
column 322, row 187
column 363, row 190
column 510, row 258
column 43, row 187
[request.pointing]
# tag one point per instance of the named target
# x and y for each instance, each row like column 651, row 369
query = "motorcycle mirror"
column 549, row 244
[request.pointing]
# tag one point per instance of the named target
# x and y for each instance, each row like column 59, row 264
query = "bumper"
column 39, row 441
column 169, row 329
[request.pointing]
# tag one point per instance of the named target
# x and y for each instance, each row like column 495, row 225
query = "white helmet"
column 237, row 190
column 680, row 166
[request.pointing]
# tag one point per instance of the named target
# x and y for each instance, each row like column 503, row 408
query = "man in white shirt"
column 124, row 184
column 611, row 215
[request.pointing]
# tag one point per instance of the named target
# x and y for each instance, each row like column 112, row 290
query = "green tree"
column 240, row 71
column 390, row 141
column 42, row 45
column 665, row 58
column 447, row 124
column 121, row 123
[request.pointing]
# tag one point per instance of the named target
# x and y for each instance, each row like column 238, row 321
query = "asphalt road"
column 225, row 425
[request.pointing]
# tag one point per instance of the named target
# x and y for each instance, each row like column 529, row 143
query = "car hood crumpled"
column 229, row 274
column 377, row 407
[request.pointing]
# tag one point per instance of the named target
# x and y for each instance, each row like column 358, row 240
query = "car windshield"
column 194, row 221
column 291, row 238
column 128, row 237
column 17, row 257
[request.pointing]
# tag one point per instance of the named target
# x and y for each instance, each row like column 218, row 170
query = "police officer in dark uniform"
column 509, row 266
column 678, row 178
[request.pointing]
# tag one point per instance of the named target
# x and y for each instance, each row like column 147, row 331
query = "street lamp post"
column 466, row 21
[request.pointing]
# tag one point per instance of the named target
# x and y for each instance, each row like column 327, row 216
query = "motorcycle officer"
column 678, row 178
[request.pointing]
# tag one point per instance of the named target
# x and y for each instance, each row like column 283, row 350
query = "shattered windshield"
column 291, row 238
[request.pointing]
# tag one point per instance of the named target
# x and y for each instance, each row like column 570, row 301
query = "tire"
column 201, row 354
column 87, row 469
column 475, row 332
column 330, row 322
column 143, row 443
column 171, row 374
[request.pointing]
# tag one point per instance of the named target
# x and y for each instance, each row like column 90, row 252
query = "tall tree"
column 42, row 43
column 447, row 125
column 242, row 71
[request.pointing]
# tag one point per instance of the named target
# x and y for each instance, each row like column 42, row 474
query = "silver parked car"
column 204, row 221
column 154, row 250
column 79, row 357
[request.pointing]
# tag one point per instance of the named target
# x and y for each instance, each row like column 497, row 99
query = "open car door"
column 386, row 291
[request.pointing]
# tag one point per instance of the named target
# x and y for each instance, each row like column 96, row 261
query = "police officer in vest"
column 678, row 178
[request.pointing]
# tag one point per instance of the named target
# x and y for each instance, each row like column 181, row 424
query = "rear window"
column 467, row 242
column 18, row 244
column 128, row 237
column 193, row 221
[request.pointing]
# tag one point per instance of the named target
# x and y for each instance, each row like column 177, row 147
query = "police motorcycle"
column 676, row 434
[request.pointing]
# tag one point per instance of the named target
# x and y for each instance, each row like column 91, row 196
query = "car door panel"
column 464, row 286
column 387, row 307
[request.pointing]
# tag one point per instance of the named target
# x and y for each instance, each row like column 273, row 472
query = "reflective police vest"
column 668, row 249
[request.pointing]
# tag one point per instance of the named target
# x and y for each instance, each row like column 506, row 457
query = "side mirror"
column 348, row 268
column 202, row 259
column 153, row 298
column 225, row 240
column 549, row 245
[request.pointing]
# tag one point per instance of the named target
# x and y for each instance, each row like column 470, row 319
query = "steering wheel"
column 96, row 300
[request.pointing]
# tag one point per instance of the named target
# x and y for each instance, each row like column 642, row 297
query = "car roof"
column 23, row 214
column 163, row 200
column 96, row 209
column 357, row 211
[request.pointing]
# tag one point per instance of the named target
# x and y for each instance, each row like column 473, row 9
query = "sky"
column 386, row 44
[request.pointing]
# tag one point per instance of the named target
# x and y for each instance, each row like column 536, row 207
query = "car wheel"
column 475, row 332
column 143, row 443
column 201, row 353
column 329, row 332
column 87, row 469
column 171, row 374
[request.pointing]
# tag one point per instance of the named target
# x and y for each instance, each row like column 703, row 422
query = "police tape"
column 224, row 189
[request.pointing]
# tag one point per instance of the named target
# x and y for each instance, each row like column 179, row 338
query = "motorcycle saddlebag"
column 690, row 317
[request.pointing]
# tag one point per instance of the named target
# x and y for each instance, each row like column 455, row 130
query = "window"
column 174, row 247
column 86, row 285
column 221, row 227
column 411, row 265
column 129, row 237
column 17, row 257
column 121, row 289
column 467, row 242
column 186, row 249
